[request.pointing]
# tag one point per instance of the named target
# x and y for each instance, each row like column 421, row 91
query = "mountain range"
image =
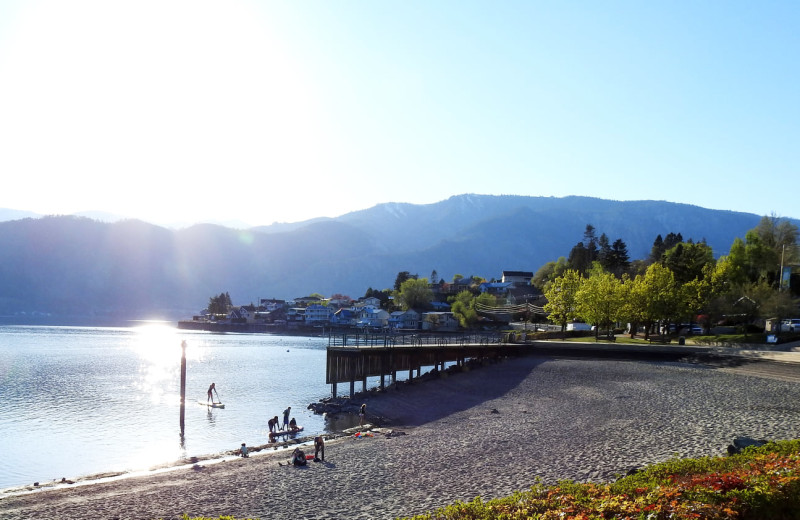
column 80, row 270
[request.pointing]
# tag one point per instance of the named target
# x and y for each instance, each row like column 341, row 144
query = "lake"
column 78, row 401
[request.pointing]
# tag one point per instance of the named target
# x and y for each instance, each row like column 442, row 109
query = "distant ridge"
column 80, row 267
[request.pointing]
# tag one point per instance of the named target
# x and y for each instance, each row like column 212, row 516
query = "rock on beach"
column 486, row 433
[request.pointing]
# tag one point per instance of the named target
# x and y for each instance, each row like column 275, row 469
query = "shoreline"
column 484, row 432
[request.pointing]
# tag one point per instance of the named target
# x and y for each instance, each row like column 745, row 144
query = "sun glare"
column 145, row 98
column 158, row 347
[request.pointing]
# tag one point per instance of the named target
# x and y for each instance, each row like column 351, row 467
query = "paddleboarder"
column 212, row 388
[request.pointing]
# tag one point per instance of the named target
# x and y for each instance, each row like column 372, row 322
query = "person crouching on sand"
column 298, row 457
column 243, row 451
column 273, row 424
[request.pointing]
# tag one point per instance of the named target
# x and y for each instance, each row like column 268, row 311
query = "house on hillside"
column 409, row 320
column 271, row 304
column 495, row 288
column 305, row 301
column 517, row 278
column 344, row 317
column 373, row 302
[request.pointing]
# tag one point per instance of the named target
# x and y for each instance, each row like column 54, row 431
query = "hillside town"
column 316, row 313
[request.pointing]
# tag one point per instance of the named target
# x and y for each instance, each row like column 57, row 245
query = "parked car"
column 791, row 325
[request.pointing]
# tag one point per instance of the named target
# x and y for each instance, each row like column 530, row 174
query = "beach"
column 485, row 432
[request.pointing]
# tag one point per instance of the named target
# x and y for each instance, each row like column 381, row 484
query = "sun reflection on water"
column 158, row 348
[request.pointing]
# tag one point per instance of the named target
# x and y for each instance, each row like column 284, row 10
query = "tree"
column 600, row 299
column 659, row 296
column 414, row 294
column 463, row 308
column 657, row 250
column 220, row 304
column 561, row 298
column 548, row 272
column 579, row 258
column 402, row 276
column 687, row 260
column 434, row 277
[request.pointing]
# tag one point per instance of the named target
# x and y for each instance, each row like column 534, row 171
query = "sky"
column 281, row 111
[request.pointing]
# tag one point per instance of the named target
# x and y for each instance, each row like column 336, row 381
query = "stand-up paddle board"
column 279, row 433
column 211, row 405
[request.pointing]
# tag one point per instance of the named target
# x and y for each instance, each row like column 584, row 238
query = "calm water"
column 82, row 401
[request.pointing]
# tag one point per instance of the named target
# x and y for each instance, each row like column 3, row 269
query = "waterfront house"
column 409, row 320
column 372, row 318
column 439, row 321
column 317, row 314
column 295, row 316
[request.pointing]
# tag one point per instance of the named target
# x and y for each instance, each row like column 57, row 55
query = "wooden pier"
column 355, row 357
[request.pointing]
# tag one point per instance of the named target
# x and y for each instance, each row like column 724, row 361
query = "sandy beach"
column 485, row 432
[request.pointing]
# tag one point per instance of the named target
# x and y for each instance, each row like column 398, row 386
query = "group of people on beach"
column 289, row 425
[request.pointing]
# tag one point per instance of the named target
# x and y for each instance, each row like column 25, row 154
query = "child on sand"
column 361, row 414
column 243, row 451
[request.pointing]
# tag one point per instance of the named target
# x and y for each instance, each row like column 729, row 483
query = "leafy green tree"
column 414, row 293
column 659, row 296
column 561, row 297
column 600, row 299
column 634, row 306
column 463, row 308
column 548, row 272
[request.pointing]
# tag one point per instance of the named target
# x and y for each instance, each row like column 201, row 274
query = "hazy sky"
column 282, row 111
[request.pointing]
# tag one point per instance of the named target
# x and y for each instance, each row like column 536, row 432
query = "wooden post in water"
column 183, row 384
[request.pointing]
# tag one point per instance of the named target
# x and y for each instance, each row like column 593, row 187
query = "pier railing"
column 366, row 339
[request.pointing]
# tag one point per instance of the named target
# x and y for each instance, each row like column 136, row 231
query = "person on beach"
column 286, row 418
column 298, row 457
column 293, row 425
column 319, row 448
column 243, row 451
column 361, row 414
column 212, row 388
column 273, row 424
